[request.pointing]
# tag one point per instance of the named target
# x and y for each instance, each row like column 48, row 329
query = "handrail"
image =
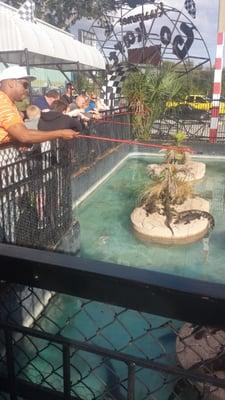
column 112, row 354
column 157, row 293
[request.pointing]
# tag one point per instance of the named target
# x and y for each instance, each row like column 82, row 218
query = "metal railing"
column 30, row 214
column 195, row 129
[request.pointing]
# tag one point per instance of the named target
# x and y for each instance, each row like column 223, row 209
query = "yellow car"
column 197, row 101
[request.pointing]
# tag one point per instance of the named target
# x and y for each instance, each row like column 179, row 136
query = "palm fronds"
column 147, row 94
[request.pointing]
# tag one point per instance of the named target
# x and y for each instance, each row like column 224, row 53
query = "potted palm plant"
column 147, row 93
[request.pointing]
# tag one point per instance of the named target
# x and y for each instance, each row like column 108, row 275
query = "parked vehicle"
column 187, row 112
column 199, row 102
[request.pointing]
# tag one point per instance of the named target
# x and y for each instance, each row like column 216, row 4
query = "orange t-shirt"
column 9, row 116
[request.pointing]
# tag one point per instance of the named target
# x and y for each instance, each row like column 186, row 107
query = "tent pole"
column 26, row 54
column 63, row 73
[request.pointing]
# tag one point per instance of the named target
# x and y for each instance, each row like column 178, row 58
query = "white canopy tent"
column 38, row 44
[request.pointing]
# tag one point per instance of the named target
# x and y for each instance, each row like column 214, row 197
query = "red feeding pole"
column 136, row 143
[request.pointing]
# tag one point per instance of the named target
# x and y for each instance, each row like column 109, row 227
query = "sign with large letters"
column 152, row 26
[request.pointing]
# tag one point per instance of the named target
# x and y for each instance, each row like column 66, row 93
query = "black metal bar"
column 26, row 53
column 32, row 391
column 131, row 382
column 11, row 51
column 57, row 62
column 5, row 64
column 157, row 293
column 191, row 374
column 10, row 364
column 63, row 72
column 66, row 372
column 199, row 65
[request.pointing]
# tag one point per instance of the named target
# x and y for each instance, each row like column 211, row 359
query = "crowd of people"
column 48, row 116
column 80, row 108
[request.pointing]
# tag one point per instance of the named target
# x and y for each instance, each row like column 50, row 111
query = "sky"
column 205, row 21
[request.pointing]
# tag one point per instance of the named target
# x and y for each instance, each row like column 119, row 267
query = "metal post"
column 131, row 381
column 78, row 76
column 26, row 54
column 66, row 371
column 10, row 364
column 217, row 73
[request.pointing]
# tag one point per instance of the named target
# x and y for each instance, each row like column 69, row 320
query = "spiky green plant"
column 179, row 137
column 147, row 93
column 177, row 155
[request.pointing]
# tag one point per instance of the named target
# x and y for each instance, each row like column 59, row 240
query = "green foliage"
column 179, row 137
column 147, row 94
column 23, row 104
column 176, row 156
column 85, row 83
column 197, row 81
column 64, row 13
column 200, row 81
column 134, row 89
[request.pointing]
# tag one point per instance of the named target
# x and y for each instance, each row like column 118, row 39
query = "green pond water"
column 107, row 234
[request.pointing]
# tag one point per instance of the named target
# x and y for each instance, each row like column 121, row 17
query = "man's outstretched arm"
column 20, row 133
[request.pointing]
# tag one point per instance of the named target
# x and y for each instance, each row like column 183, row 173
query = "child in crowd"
column 77, row 108
column 91, row 106
column 95, row 105
column 33, row 115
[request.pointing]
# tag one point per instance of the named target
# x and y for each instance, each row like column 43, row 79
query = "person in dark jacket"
column 44, row 102
column 68, row 96
column 56, row 118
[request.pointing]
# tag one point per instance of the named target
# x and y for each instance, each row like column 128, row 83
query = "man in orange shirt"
column 14, row 86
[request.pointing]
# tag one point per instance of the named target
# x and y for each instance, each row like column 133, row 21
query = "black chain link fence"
column 35, row 195
column 170, row 359
column 194, row 128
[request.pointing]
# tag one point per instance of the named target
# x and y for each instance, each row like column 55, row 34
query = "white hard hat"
column 15, row 72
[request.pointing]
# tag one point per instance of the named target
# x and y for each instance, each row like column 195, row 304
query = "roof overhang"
column 43, row 45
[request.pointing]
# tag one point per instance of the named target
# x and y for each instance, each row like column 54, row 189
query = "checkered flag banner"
column 190, row 7
column 26, row 11
column 112, row 88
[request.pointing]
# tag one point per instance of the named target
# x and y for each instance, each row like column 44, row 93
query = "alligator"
column 169, row 217
column 189, row 215
column 168, row 211
column 151, row 207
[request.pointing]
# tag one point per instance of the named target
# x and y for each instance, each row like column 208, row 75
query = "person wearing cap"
column 14, row 86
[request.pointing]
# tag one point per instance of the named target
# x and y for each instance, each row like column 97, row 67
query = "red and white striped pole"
column 217, row 82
